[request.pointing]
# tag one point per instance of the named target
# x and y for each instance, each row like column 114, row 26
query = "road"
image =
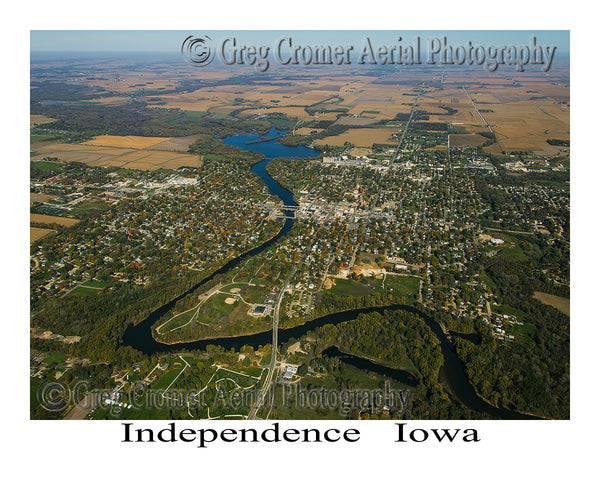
column 265, row 388
column 412, row 112
column 485, row 122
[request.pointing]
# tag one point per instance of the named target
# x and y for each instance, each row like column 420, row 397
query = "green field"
column 41, row 138
column 402, row 285
column 508, row 310
column 242, row 380
column 346, row 287
column 81, row 291
column 193, row 115
column 48, row 166
column 56, row 358
column 88, row 208
column 84, row 292
column 165, row 380
column 216, row 304
column 178, row 320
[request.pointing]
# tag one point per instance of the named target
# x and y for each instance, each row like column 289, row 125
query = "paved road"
column 264, row 390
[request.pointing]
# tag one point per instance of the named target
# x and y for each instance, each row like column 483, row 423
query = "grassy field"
column 89, row 207
column 165, row 380
column 47, row 166
column 97, row 284
column 402, row 285
column 40, row 138
column 84, row 292
column 95, row 287
column 345, row 287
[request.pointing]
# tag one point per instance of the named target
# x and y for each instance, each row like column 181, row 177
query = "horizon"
column 155, row 41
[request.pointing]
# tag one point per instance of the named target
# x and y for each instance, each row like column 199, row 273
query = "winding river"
column 452, row 373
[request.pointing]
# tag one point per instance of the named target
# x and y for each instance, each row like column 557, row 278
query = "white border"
column 68, row 449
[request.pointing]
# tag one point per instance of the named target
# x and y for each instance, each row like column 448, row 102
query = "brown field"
column 561, row 303
column 143, row 159
column 519, row 123
column 40, row 197
column 307, row 131
column 360, row 137
column 40, row 119
column 129, row 141
column 526, row 125
column 50, row 219
column 36, row 233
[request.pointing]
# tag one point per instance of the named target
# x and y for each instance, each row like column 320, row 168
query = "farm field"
column 129, row 141
column 143, row 159
column 49, row 219
column 36, row 233
column 40, row 119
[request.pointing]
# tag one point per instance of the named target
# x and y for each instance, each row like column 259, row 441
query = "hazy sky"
column 166, row 41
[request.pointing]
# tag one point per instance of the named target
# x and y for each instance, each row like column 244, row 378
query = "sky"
column 170, row 41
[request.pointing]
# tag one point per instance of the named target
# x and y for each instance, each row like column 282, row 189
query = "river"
column 452, row 373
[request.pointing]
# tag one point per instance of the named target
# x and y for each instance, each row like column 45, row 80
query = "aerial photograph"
column 299, row 225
